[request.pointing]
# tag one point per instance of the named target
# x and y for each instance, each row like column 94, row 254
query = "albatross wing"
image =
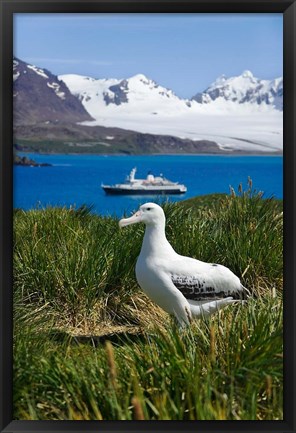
column 199, row 281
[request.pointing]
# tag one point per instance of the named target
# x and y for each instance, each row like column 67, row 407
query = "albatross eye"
column 148, row 208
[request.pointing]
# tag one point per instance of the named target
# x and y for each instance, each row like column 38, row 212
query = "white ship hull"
column 142, row 191
column 149, row 186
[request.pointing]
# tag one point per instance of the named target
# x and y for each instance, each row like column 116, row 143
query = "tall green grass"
column 75, row 287
column 226, row 368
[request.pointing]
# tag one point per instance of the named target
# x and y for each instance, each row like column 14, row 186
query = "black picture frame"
column 8, row 8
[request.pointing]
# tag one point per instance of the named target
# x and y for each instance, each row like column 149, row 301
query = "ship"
column 152, row 185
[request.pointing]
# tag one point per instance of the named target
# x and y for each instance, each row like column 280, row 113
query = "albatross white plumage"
column 182, row 286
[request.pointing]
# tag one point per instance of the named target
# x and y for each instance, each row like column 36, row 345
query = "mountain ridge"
column 244, row 89
column 76, row 107
column 39, row 96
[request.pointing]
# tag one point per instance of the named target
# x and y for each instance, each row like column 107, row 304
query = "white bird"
column 182, row 286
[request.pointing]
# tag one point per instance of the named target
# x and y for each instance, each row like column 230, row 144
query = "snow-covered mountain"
column 242, row 113
column 39, row 96
column 138, row 93
column 244, row 89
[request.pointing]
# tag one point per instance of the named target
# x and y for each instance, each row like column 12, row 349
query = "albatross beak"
column 136, row 218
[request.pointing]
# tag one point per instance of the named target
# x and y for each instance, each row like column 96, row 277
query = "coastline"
column 234, row 154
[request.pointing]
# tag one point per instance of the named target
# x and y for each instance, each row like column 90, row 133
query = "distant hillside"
column 40, row 97
column 120, row 142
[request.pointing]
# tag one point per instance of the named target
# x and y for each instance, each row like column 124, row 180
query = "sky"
column 183, row 52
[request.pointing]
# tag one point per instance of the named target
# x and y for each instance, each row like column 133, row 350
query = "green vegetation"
column 71, row 146
column 125, row 145
column 75, row 289
column 96, row 140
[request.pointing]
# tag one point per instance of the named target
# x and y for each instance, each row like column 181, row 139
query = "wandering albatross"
column 182, row 286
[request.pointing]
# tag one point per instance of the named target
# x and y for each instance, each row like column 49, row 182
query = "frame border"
column 7, row 9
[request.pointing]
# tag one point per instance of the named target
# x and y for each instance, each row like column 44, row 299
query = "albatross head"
column 149, row 214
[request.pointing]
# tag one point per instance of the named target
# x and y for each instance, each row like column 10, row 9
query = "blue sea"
column 74, row 180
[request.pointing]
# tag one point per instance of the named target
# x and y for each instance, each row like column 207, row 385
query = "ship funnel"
column 132, row 174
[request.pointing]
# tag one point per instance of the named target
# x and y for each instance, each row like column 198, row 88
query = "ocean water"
column 74, row 180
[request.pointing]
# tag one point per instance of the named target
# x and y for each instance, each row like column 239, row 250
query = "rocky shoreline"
column 27, row 162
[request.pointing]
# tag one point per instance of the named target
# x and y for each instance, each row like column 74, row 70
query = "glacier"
column 238, row 113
